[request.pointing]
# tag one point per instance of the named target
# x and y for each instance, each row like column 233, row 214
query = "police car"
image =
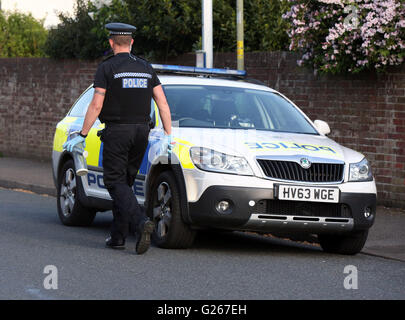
column 245, row 158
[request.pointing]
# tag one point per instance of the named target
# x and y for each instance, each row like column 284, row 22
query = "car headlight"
column 360, row 171
column 211, row 160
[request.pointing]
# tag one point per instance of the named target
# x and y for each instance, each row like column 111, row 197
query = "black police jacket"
column 129, row 83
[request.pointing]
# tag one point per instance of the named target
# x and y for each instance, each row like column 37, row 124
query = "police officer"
column 123, row 87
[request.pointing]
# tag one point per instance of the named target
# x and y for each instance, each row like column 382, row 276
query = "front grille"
column 292, row 171
column 300, row 208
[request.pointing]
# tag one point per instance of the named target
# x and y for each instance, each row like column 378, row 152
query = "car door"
column 93, row 183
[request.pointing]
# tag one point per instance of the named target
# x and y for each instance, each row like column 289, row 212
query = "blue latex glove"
column 71, row 144
column 167, row 143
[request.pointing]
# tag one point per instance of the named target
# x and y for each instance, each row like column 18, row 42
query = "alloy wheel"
column 67, row 192
column 162, row 209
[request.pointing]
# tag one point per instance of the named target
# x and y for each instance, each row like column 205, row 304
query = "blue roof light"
column 201, row 71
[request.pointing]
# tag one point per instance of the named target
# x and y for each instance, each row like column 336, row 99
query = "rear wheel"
column 343, row 244
column 165, row 210
column 71, row 212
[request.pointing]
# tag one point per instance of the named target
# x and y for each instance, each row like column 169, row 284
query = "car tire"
column 165, row 210
column 71, row 212
column 343, row 244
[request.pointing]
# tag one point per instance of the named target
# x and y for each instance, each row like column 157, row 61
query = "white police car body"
column 245, row 158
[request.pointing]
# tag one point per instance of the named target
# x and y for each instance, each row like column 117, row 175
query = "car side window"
column 80, row 107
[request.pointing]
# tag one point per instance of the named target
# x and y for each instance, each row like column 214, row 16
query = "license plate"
column 313, row 194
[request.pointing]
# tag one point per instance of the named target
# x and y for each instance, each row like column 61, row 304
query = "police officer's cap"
column 120, row 29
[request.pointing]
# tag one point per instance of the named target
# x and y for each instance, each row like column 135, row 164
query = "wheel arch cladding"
column 65, row 157
column 176, row 169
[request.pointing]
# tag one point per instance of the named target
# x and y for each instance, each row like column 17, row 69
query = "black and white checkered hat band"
column 115, row 33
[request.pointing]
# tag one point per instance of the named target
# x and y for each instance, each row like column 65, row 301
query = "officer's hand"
column 70, row 145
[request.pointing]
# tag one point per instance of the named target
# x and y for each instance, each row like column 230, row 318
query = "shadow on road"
column 242, row 242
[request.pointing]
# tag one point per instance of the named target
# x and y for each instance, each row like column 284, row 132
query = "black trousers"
column 123, row 151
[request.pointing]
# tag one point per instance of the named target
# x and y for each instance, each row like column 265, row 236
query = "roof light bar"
column 201, row 71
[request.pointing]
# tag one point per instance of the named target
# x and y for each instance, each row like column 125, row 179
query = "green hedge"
column 21, row 35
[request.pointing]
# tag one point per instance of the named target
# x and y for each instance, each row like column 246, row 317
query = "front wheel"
column 71, row 212
column 343, row 244
column 165, row 210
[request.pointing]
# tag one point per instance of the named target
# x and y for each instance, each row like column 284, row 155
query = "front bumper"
column 272, row 215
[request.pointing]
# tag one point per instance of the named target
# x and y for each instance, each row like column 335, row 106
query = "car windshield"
column 233, row 108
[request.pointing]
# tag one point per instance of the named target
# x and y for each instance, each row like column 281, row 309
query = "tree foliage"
column 265, row 29
column 21, row 35
column 77, row 36
column 167, row 28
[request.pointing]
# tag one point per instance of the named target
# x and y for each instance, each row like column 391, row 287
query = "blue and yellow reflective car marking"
column 93, row 148
column 156, row 115
column 93, row 143
column 96, row 180
column 182, row 150
column 100, row 155
column 143, row 169
column 61, row 133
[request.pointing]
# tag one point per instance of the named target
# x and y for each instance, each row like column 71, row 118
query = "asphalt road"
column 219, row 266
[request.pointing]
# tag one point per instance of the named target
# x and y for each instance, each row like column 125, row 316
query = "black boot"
column 115, row 244
column 144, row 232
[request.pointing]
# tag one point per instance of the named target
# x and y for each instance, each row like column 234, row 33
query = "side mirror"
column 322, row 127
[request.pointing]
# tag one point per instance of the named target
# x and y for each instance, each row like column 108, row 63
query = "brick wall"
column 365, row 112
column 34, row 95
